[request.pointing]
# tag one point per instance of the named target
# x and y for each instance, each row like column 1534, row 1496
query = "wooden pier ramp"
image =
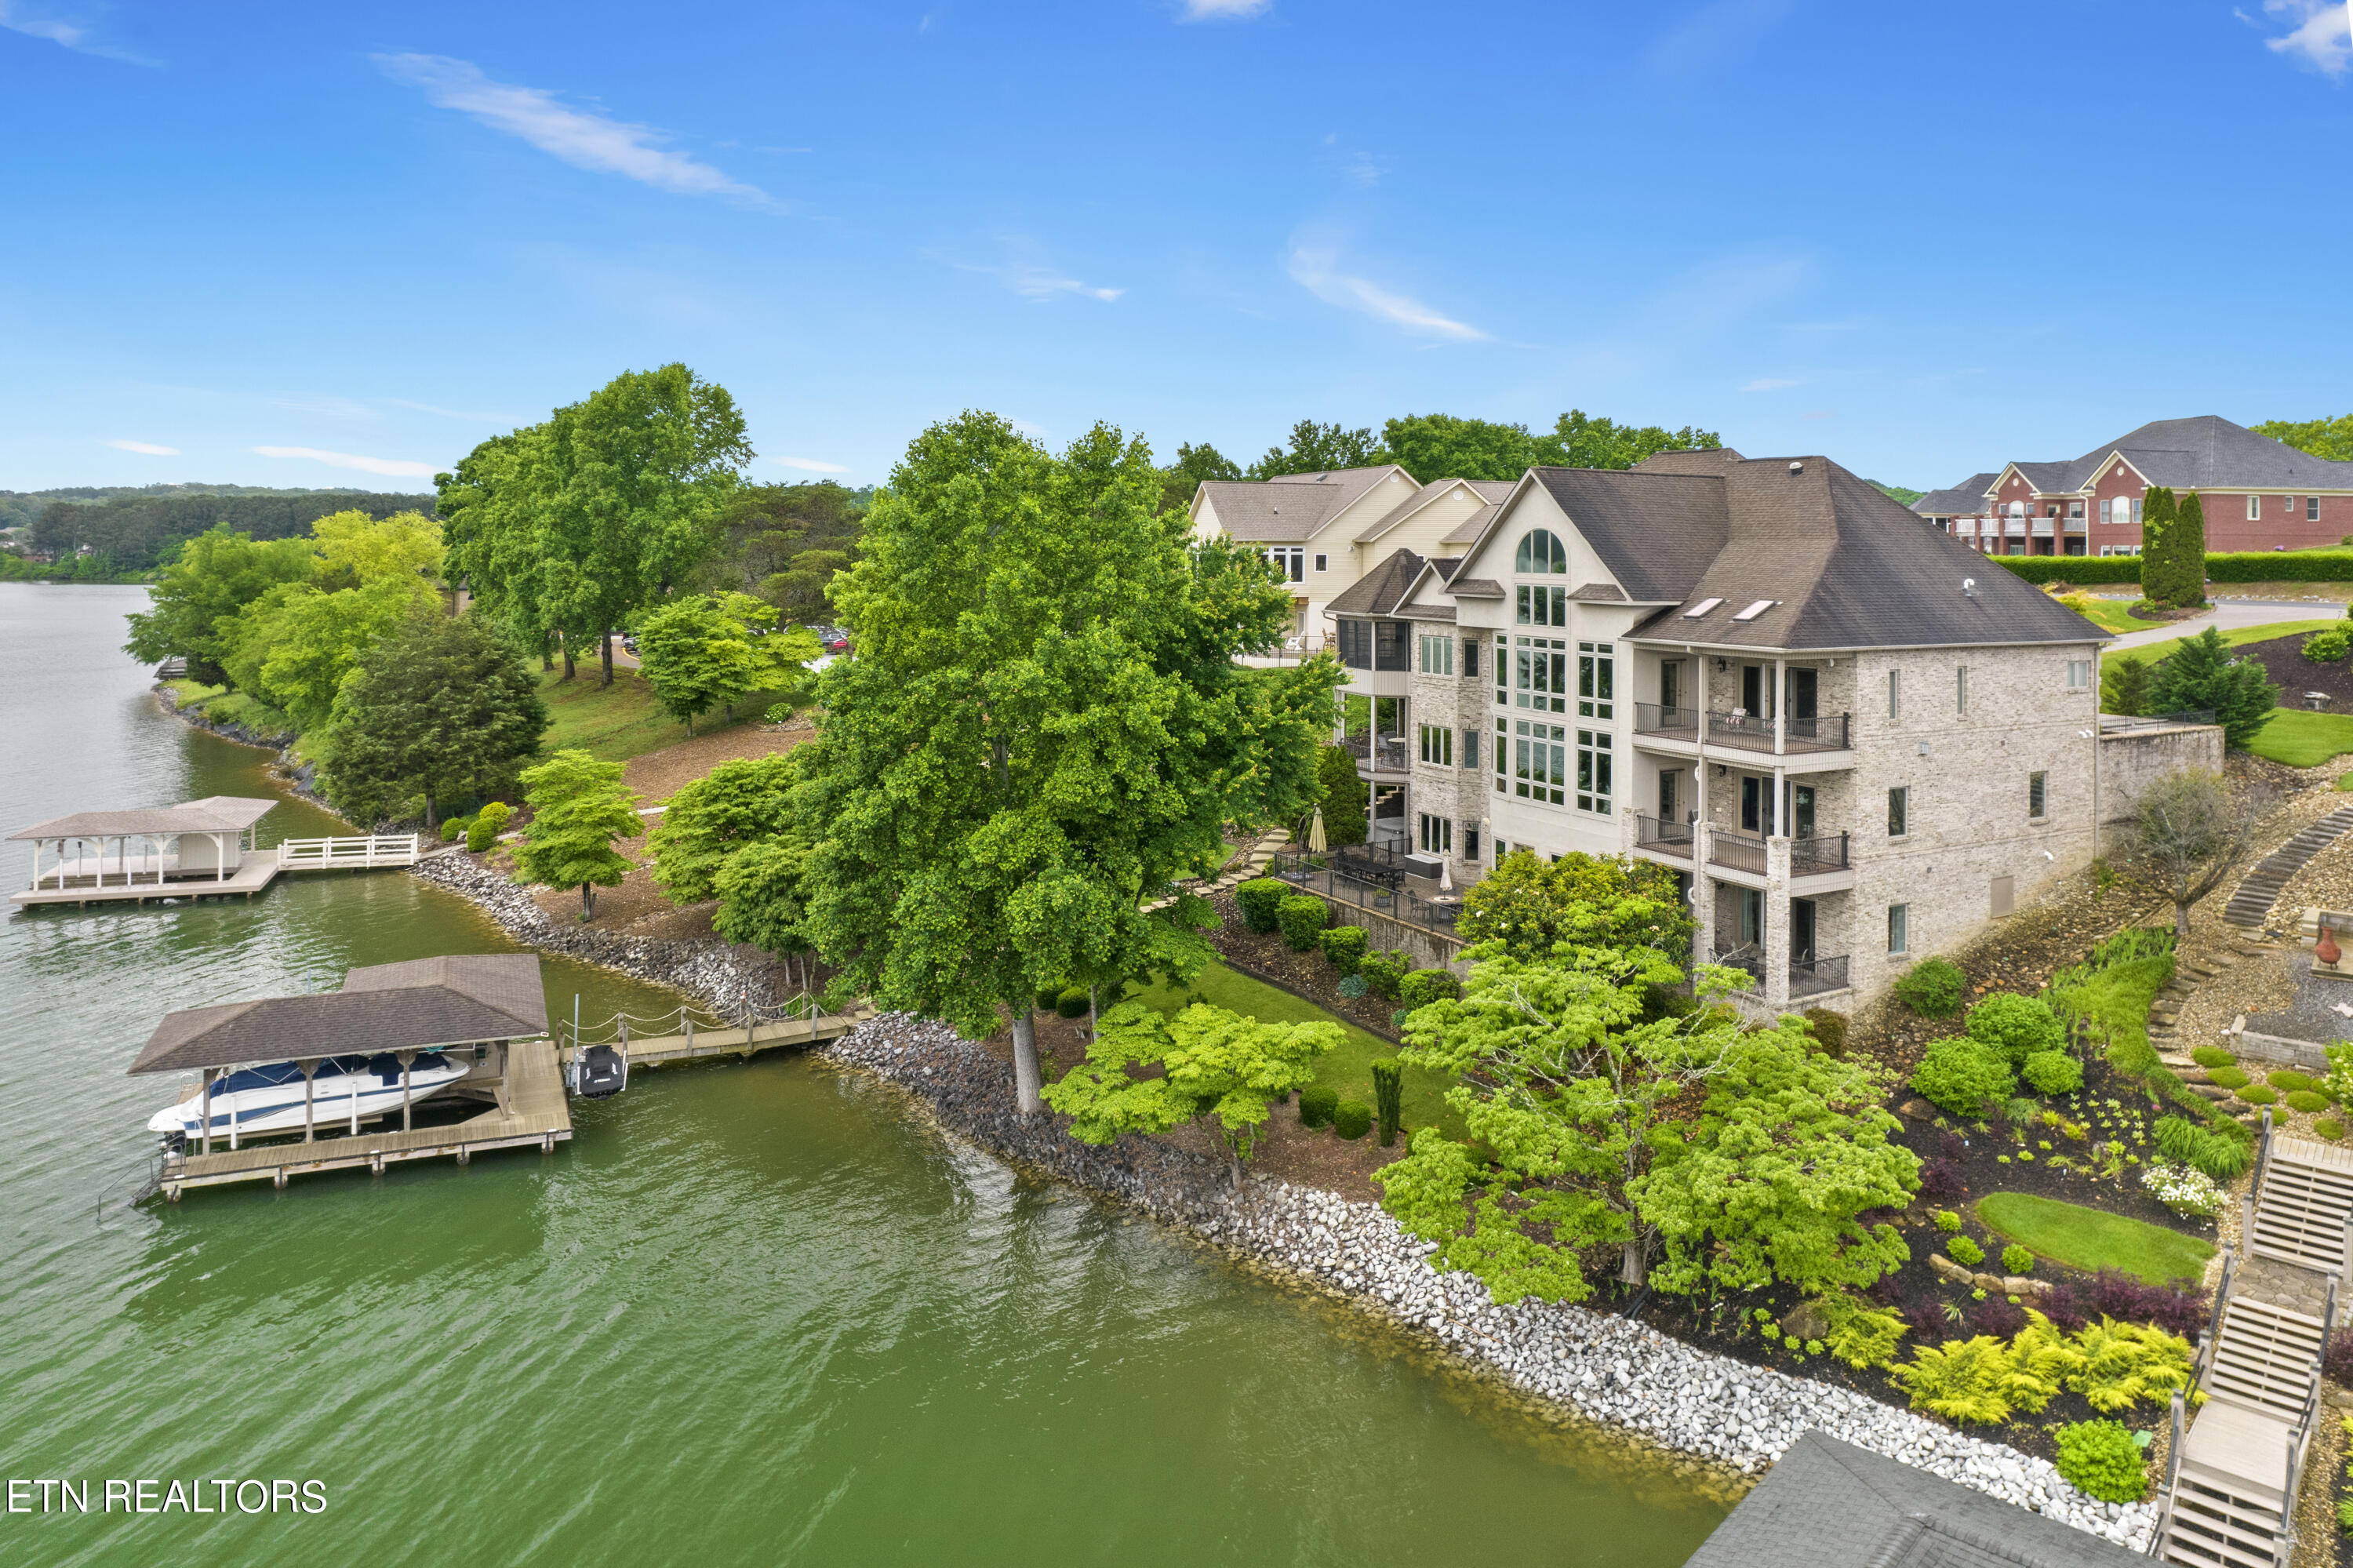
column 536, row 1115
column 685, row 1038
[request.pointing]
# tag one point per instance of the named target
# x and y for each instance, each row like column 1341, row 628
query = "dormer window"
column 1755, row 608
column 1702, row 607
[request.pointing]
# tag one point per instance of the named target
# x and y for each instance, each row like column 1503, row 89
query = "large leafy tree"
column 1441, row 446
column 735, row 804
column 1528, row 907
column 440, row 706
column 1318, row 449
column 1581, row 440
column 1193, row 466
column 763, row 900
column 295, row 645
column 1205, row 1064
column 217, row 574
column 491, row 523
column 580, row 808
column 2324, row 437
column 1556, row 1071
column 1790, row 1149
column 2204, row 673
column 1043, row 727
column 704, row 652
column 785, row 542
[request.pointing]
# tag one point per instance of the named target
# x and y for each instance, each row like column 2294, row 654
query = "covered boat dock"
column 198, row 849
column 490, row 1007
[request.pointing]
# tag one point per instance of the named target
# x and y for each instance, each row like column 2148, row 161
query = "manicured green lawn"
column 2302, row 738
column 1348, row 1070
column 2115, row 615
column 2090, row 1238
column 616, row 723
column 2152, row 652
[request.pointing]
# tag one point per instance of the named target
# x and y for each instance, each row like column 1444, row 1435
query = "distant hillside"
column 23, row 508
column 137, row 530
column 1897, row 490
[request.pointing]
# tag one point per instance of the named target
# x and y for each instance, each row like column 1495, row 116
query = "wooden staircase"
column 2231, row 1493
column 2251, row 905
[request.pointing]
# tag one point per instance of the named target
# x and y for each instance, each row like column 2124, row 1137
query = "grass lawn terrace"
column 1348, row 1070
column 2302, row 738
column 2090, row 1239
column 616, row 723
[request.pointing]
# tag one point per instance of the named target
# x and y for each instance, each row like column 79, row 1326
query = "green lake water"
column 754, row 1313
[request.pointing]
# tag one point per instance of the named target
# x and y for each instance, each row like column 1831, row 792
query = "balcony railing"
column 1747, row 731
column 1741, row 851
column 1747, row 958
column 1667, row 837
column 1819, row 732
column 1381, row 753
column 1363, row 887
column 1814, row 856
column 1663, row 718
column 1812, row 977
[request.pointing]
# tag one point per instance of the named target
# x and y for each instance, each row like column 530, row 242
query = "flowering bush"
column 2183, row 1190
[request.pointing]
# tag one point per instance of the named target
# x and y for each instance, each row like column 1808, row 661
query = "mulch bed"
column 2294, row 674
column 1308, row 975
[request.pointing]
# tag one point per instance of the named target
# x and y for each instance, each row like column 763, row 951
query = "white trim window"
column 1437, row 654
column 1895, row 694
column 1437, row 834
column 1290, row 560
column 1960, row 689
column 1539, row 760
column 1323, row 563
column 1593, row 759
column 1470, row 751
column 2038, row 795
column 2254, row 508
column 2079, row 674
column 1437, row 745
column 1540, row 673
column 1597, row 682
column 2311, row 509
column 1899, row 938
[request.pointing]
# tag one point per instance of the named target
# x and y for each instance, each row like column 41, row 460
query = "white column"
column 1776, row 919
column 406, row 1057
column 1703, row 892
column 220, row 859
column 1781, row 705
column 310, row 1101
column 205, row 1109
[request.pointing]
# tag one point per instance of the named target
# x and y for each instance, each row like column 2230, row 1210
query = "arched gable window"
column 1541, row 551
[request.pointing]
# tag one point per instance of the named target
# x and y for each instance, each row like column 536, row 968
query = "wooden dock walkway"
column 536, row 1115
column 361, row 852
column 692, row 1044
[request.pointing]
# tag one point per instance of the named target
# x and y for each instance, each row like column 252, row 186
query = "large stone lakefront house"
column 1854, row 739
column 2257, row 494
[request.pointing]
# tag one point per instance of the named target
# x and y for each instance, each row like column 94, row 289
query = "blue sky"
column 275, row 241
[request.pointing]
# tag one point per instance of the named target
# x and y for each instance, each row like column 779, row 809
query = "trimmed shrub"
column 1072, row 1002
column 1047, row 997
column 1963, row 1076
column 2212, row 1057
column 1300, row 917
column 2328, row 1126
column 1352, row 1119
column 1423, row 987
column 1965, row 1251
column 2100, row 1459
column 2328, row 647
column 1948, row 1222
column 1343, row 948
column 2017, row 1259
column 1940, row 1181
column 1932, row 988
column 489, row 824
column 1830, row 1030
column 2287, row 1081
column 2230, row 1077
column 2017, row 1026
column 1383, row 972
column 2308, row 1101
column 2260, row 1095
column 1388, row 1100
column 2053, row 1073
column 1353, row 986
column 1261, row 898
column 452, row 828
column 1317, row 1105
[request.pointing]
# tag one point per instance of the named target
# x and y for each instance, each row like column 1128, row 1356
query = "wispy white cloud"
column 1030, row 275
column 1769, row 384
column 16, row 19
column 583, row 138
column 1716, row 35
column 1223, row 10
column 2319, row 31
column 148, row 448
column 393, row 466
column 444, row 413
column 809, row 465
column 1316, row 267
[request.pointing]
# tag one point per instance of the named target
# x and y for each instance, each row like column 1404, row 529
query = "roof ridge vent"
column 1797, row 467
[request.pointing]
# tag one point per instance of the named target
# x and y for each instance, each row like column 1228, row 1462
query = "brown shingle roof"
column 413, row 1006
column 1291, row 508
column 213, row 814
column 1382, row 590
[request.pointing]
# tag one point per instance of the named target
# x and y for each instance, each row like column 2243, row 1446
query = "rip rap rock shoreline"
column 1599, row 1367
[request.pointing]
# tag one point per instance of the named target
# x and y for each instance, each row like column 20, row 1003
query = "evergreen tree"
column 2203, row 674
column 2124, row 683
column 579, row 808
column 2189, row 538
column 2159, row 573
column 1347, row 795
column 442, row 705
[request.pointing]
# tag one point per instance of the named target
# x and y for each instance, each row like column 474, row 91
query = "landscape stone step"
column 2251, row 903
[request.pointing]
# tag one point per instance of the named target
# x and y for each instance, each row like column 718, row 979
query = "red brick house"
column 2258, row 494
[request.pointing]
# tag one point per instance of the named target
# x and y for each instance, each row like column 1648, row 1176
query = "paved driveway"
column 2231, row 617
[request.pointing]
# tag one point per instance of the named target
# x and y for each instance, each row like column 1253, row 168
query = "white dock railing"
column 321, row 854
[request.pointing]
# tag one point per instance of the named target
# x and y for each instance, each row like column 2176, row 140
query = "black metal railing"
column 1747, row 731
column 1382, row 753
column 1664, row 718
column 1667, row 837
column 1812, row 977
column 1747, row 958
column 1814, row 856
column 1741, row 851
column 1821, row 732
column 1362, row 885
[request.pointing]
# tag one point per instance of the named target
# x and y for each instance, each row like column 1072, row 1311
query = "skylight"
column 1756, row 609
column 1702, row 607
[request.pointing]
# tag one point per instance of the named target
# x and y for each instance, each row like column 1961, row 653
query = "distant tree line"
column 141, row 533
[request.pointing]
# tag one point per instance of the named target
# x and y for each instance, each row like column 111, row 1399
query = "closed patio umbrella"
column 1315, row 844
column 1446, row 875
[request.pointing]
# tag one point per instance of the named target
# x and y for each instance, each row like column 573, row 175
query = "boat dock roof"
column 418, row 1005
column 213, row 814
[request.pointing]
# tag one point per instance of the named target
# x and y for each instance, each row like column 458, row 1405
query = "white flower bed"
column 2183, row 1189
